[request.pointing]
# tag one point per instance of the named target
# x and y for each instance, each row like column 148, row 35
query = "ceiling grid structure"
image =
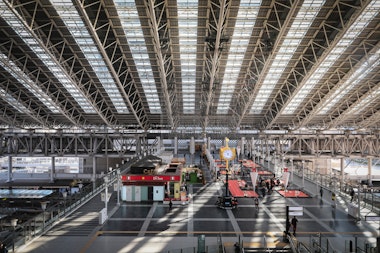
column 190, row 66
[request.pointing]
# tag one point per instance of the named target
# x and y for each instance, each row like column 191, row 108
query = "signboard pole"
column 287, row 225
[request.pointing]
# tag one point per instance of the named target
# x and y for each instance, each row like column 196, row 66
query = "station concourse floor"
column 154, row 227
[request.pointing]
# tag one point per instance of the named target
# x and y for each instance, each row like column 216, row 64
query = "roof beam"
column 159, row 29
column 283, row 99
column 100, row 32
column 214, row 44
column 246, row 104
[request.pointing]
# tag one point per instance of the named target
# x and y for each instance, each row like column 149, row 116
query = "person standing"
column 3, row 249
column 321, row 192
column 294, row 225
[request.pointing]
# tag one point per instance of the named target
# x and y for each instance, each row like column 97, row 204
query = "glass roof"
column 352, row 33
column 52, row 65
column 362, row 106
column 296, row 33
column 77, row 28
column 130, row 21
column 187, row 30
column 22, row 78
column 352, row 82
column 13, row 102
column 245, row 22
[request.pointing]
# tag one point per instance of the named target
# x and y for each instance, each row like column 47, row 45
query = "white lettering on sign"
column 295, row 208
column 157, row 178
column 295, row 213
column 372, row 218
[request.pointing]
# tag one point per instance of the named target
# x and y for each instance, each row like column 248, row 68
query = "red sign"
column 155, row 178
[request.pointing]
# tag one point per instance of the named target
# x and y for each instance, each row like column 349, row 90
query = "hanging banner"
column 285, row 179
column 254, row 176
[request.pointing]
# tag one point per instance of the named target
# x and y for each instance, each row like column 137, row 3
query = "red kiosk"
column 152, row 181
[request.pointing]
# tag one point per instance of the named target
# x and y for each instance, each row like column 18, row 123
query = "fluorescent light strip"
column 56, row 70
column 187, row 29
column 305, row 17
column 352, row 82
column 245, row 21
column 22, row 78
column 77, row 28
column 370, row 12
column 13, row 102
column 130, row 21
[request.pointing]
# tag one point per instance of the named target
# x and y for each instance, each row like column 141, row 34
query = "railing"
column 321, row 244
column 28, row 230
column 368, row 197
column 297, row 246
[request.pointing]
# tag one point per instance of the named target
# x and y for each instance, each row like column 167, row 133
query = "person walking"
column 237, row 247
column 352, row 194
column 257, row 203
column 333, row 199
column 170, row 204
column 321, row 192
column 294, row 225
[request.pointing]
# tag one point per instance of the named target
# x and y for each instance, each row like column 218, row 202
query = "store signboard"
column 155, row 178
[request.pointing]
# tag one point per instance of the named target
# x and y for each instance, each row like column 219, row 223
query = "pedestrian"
column 321, row 192
column 3, row 249
column 257, row 203
column 352, row 194
column 294, row 225
column 170, row 204
column 237, row 247
column 333, row 199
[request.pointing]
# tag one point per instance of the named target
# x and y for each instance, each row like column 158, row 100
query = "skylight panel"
column 187, row 30
column 305, row 17
column 363, row 105
column 245, row 21
column 352, row 33
column 22, row 31
column 352, row 82
column 130, row 21
column 77, row 28
column 13, row 102
column 22, row 78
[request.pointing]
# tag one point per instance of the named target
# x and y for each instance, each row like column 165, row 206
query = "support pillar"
column 291, row 169
column 52, row 171
column 342, row 165
column 242, row 152
column 93, row 178
column 138, row 146
column 253, row 149
column 303, row 174
column 192, row 149
column 175, row 145
column 10, row 177
column 370, row 171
